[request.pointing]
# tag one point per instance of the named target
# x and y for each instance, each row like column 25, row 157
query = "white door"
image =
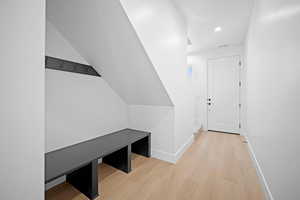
column 223, row 94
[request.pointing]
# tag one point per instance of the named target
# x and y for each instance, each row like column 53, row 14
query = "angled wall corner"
column 147, row 71
column 163, row 34
column 102, row 33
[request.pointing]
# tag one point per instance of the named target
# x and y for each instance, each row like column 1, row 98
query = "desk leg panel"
column 120, row 159
column 142, row 147
column 85, row 179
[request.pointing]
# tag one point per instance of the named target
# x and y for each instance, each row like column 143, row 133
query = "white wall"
column 159, row 120
column 57, row 46
column 102, row 33
column 198, row 61
column 78, row 107
column 273, row 93
column 162, row 32
column 22, row 99
column 112, row 46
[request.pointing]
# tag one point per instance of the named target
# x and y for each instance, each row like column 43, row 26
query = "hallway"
column 216, row 167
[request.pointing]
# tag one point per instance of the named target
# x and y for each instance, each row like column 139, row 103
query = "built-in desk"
column 79, row 162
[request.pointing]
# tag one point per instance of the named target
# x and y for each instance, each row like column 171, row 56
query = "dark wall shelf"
column 69, row 66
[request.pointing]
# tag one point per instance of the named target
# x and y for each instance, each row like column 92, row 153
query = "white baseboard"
column 173, row 158
column 196, row 129
column 183, row 148
column 162, row 155
column 261, row 176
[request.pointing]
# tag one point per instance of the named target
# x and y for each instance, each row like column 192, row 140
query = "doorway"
column 223, row 94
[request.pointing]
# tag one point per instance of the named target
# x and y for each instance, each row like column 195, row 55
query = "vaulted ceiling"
column 204, row 16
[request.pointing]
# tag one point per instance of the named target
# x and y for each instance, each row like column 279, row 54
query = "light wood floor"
column 216, row 167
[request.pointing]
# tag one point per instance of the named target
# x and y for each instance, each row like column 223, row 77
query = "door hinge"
column 240, row 105
column 240, row 83
column 240, row 63
column 240, row 126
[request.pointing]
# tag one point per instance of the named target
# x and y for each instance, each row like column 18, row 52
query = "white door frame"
column 240, row 88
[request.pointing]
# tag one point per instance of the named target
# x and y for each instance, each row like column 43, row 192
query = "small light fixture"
column 218, row 29
column 223, row 46
column 189, row 42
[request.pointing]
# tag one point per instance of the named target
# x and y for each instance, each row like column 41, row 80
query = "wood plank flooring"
column 217, row 166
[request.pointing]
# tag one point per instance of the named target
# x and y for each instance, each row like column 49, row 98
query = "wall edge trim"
column 263, row 181
column 173, row 157
column 183, row 148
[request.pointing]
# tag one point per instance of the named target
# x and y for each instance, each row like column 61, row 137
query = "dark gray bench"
column 79, row 162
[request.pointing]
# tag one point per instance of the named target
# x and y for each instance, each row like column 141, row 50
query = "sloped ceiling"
column 101, row 32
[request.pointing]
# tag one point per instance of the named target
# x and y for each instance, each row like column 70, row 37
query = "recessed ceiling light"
column 223, row 46
column 218, row 29
column 189, row 42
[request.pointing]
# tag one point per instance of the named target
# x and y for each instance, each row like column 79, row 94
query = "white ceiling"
column 204, row 15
